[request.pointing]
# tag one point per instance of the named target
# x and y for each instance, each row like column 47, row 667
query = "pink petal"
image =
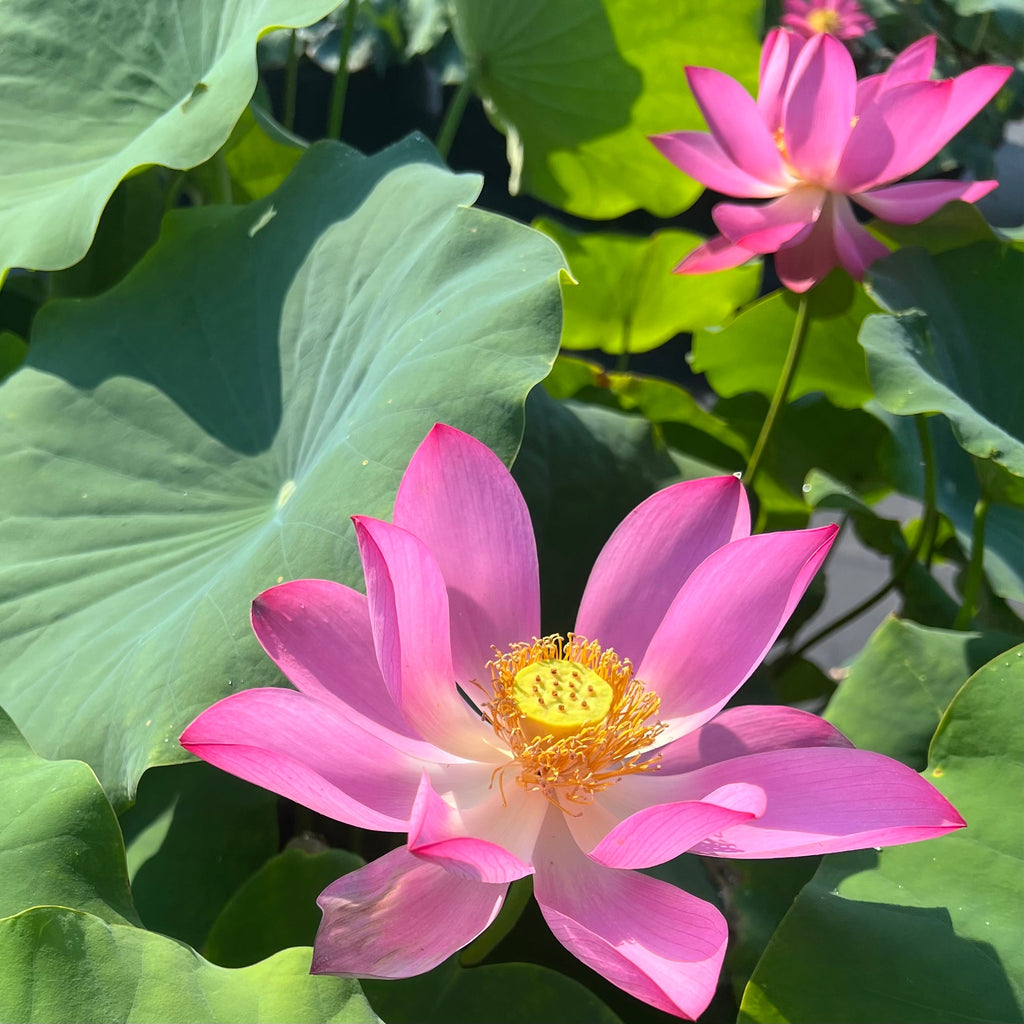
column 737, row 125
column 409, row 616
column 856, row 249
column 399, row 916
column 894, row 136
column 971, row 91
column 914, row 64
column 803, row 264
column 725, row 619
column 826, row 800
column 748, row 729
column 318, row 634
column 701, row 157
column 913, row 201
column 649, row 938
column 656, row 834
column 766, row 228
column 459, row 499
column 778, row 55
column 477, row 844
column 309, row 751
column 652, row 553
column 717, row 253
column 818, row 107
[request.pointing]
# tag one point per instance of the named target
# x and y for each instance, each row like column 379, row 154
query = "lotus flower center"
column 574, row 717
column 824, row 20
column 558, row 698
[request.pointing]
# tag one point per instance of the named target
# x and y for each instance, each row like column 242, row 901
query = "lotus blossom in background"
column 430, row 706
column 815, row 139
column 843, row 19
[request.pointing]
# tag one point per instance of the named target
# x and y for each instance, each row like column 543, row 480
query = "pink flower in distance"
column 429, row 707
column 814, row 139
column 843, row 19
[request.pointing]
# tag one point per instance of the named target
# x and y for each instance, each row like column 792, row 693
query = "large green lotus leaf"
column 59, row 840
column 627, row 299
column 276, row 907
column 513, row 993
column 61, row 965
column 960, row 355
column 912, row 672
column 167, row 453
column 194, row 835
column 90, row 93
column 578, row 85
column 926, row 932
column 747, row 354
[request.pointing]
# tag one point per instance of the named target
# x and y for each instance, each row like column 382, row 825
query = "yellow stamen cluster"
column 574, row 717
column 824, row 20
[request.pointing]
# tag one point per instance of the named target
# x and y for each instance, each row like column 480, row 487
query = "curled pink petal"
column 778, row 55
column 311, row 752
column 409, row 616
column 653, row 940
column 458, row 498
column 717, row 253
column 818, row 108
column 765, row 228
column 971, row 91
column 724, row 621
column 826, row 800
column 399, row 916
column 701, row 157
column 737, row 125
column 450, row 837
column 913, row 201
column 914, row 64
column 856, row 249
column 318, row 634
column 809, row 259
column 652, row 553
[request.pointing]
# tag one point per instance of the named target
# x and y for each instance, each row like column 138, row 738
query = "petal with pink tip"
column 856, row 249
column 725, row 620
column 894, row 136
column 399, row 916
column 488, row 843
column 914, row 64
column 409, row 617
column 309, row 751
column 318, row 634
column 649, row 938
column 971, row 91
column 650, row 556
column 802, row 265
column 913, row 201
column 818, row 107
column 748, row 729
column 700, row 156
column 778, row 55
column 658, row 833
column 717, row 253
column 737, row 125
column 766, row 228
column 459, row 499
column 826, row 800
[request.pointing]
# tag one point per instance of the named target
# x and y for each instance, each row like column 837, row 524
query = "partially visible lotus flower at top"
column 814, row 140
column 843, row 19
column 430, row 707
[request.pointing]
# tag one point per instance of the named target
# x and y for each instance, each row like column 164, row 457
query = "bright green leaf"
column 578, row 85
column 627, row 299
column 276, row 908
column 59, row 840
column 900, row 684
column 747, row 354
column 63, row 966
column 167, row 453
column 260, row 154
column 91, row 95
column 926, row 932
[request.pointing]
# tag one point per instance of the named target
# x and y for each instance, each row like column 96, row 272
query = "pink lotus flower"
column 816, row 138
column 429, row 707
column 843, row 19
